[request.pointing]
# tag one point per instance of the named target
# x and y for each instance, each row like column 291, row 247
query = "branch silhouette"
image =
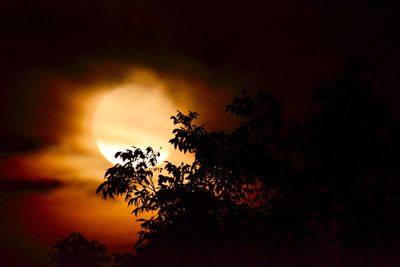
column 323, row 185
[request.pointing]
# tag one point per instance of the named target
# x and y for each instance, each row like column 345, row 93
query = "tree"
column 272, row 183
column 77, row 251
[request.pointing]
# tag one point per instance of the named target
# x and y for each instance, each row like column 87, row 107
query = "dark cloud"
column 287, row 46
column 13, row 185
column 284, row 45
column 14, row 143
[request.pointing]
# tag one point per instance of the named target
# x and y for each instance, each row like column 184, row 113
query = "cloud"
column 14, row 143
column 10, row 185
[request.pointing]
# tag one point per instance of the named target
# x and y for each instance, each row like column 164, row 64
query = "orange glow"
column 77, row 208
column 133, row 115
column 98, row 119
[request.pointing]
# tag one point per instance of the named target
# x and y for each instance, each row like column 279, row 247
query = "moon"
column 133, row 115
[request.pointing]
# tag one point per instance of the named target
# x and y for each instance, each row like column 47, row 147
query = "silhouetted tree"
column 126, row 259
column 272, row 183
column 77, row 251
column 351, row 168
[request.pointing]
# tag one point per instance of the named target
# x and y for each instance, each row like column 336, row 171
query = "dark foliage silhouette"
column 273, row 186
column 77, row 251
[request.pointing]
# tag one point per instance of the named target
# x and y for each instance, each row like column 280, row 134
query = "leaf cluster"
column 77, row 251
column 272, row 182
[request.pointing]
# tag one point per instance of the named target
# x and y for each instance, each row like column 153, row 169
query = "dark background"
column 287, row 46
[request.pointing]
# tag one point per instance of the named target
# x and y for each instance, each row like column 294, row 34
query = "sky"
column 64, row 63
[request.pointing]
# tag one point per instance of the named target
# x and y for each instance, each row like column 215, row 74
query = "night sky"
column 58, row 56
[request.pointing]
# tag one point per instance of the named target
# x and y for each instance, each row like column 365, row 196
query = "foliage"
column 77, row 251
column 273, row 182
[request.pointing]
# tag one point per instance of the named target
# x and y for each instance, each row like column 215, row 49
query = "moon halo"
column 133, row 115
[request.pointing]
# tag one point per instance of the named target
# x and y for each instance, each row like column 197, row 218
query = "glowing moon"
column 133, row 115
